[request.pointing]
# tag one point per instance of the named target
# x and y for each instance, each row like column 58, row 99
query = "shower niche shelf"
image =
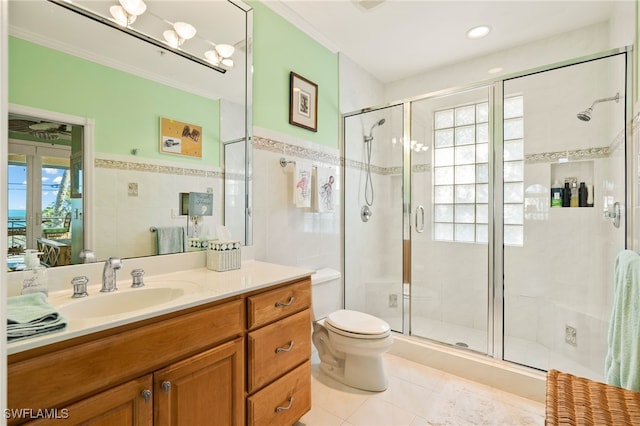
column 578, row 171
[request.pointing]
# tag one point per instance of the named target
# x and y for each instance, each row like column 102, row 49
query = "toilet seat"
column 357, row 325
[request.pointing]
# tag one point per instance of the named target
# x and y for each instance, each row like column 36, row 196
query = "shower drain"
column 462, row 344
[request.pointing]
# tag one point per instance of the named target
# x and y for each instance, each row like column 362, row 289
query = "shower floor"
column 516, row 350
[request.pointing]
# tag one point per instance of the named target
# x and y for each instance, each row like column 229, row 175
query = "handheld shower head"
column 586, row 114
column 376, row 124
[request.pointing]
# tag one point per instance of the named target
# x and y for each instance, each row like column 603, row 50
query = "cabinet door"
column 205, row 389
column 129, row 404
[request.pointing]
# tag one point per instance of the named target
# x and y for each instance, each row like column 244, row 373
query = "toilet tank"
column 326, row 288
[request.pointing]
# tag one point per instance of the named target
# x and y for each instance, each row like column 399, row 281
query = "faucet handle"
column 79, row 286
column 137, row 274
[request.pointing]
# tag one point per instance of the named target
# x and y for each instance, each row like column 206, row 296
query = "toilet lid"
column 358, row 323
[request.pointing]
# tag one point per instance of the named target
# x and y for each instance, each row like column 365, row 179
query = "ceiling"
column 396, row 39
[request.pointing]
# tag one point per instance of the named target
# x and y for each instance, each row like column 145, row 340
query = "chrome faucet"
column 109, row 274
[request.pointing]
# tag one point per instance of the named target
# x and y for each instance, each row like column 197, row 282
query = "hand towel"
column 622, row 364
column 30, row 315
column 302, row 184
column 170, row 239
column 325, row 187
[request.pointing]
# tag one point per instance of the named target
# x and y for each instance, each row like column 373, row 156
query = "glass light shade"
column 212, row 57
column 478, row 32
column 121, row 16
column 227, row 62
column 225, row 50
column 134, row 7
column 172, row 38
column 185, row 31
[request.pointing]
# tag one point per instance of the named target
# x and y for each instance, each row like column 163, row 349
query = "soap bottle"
column 556, row 194
column 574, row 194
column 566, row 195
column 582, row 195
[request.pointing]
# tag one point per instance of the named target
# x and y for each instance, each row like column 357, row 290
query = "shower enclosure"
column 462, row 243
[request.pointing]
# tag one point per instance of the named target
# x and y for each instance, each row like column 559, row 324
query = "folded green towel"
column 30, row 315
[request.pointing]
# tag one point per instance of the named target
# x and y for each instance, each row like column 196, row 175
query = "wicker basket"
column 573, row 400
column 224, row 256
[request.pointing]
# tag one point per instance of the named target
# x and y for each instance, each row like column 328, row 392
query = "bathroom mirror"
column 72, row 64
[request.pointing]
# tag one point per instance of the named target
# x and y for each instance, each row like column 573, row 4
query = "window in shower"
column 461, row 173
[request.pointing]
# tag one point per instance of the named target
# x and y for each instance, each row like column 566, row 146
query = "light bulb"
column 121, row 16
column 172, row 38
column 227, row 62
column 185, row 31
column 134, row 7
column 478, row 32
column 212, row 57
column 225, row 50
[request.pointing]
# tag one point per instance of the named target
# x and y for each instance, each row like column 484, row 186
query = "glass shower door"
column 558, row 261
column 373, row 205
column 450, row 211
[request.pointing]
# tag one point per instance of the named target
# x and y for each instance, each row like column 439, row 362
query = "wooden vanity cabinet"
column 216, row 364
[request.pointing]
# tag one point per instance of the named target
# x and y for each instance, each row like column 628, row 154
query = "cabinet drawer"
column 277, row 348
column 284, row 401
column 275, row 304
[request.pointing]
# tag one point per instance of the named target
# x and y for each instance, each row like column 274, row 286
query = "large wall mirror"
column 114, row 116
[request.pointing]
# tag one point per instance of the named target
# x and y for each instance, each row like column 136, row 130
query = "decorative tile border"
column 545, row 157
column 102, row 163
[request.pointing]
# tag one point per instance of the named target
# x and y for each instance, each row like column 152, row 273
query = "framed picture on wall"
column 303, row 102
column 180, row 138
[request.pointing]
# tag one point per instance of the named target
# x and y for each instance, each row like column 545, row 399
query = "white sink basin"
column 99, row 304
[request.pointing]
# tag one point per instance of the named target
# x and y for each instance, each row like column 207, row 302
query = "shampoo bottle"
column 582, row 195
column 566, row 195
column 556, row 194
column 574, row 194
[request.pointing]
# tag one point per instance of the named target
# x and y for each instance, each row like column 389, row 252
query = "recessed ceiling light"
column 495, row 70
column 478, row 32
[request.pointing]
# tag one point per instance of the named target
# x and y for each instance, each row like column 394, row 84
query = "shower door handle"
column 420, row 225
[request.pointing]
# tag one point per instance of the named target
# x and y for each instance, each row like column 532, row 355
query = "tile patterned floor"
column 417, row 395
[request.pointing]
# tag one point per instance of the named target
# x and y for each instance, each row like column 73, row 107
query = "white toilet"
column 350, row 344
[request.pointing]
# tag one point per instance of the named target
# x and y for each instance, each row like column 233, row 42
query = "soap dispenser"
column 574, row 194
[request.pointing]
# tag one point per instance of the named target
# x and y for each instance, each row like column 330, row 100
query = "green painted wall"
column 126, row 108
column 280, row 48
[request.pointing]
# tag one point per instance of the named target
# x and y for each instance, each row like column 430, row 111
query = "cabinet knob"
column 146, row 394
column 166, row 386
column 288, row 303
column 279, row 409
column 279, row 350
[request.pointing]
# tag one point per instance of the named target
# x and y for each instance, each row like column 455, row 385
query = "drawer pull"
column 289, row 302
column 146, row 394
column 278, row 350
column 279, row 409
column 166, row 386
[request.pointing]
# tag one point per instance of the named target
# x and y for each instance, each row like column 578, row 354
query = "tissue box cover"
column 224, row 255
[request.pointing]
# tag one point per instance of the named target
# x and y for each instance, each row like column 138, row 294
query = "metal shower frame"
column 495, row 323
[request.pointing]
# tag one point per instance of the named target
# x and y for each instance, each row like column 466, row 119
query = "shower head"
column 586, row 114
column 376, row 124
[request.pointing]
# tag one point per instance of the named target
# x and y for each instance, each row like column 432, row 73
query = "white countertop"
column 200, row 286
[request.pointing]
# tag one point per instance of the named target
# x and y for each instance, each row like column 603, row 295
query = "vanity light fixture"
column 128, row 11
column 478, row 32
column 181, row 32
column 221, row 55
column 123, row 15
